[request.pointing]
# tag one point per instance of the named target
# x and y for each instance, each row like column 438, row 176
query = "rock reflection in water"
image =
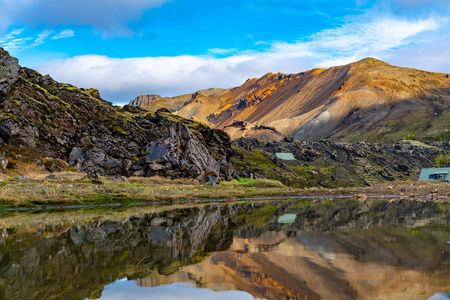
column 324, row 254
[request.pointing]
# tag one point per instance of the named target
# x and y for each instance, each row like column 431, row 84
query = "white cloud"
column 111, row 17
column 41, row 38
column 220, row 51
column 12, row 35
column 120, row 80
column 357, row 39
column 12, row 41
column 64, row 34
column 16, row 40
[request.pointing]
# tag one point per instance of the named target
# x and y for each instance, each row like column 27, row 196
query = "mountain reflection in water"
column 128, row 290
column 342, row 249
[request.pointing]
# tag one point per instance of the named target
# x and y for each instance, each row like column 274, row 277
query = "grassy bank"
column 72, row 188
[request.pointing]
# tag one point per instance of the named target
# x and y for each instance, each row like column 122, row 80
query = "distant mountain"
column 155, row 102
column 368, row 100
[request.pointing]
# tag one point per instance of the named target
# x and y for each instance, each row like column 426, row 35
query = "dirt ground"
column 406, row 189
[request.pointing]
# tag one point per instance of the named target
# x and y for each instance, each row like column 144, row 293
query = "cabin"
column 287, row 219
column 435, row 174
column 285, row 156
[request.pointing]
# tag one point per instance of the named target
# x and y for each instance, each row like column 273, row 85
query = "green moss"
column 64, row 105
column 6, row 116
column 50, row 122
column 253, row 183
column 443, row 160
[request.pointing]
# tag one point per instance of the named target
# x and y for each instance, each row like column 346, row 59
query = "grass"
column 443, row 160
column 75, row 188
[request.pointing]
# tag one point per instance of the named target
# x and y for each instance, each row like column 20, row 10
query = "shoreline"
column 71, row 189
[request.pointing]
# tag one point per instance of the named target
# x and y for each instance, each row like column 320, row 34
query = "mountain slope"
column 368, row 100
column 40, row 117
column 154, row 102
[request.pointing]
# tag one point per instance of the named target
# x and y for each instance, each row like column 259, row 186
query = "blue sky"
column 170, row 47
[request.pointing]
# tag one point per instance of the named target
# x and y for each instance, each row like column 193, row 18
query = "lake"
column 293, row 249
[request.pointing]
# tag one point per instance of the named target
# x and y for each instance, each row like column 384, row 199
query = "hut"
column 285, row 156
column 435, row 174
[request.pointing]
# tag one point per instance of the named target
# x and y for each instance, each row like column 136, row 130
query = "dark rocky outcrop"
column 56, row 120
column 329, row 163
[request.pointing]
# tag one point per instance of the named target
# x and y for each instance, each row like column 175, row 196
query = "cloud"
column 431, row 56
column 220, row 51
column 357, row 39
column 12, row 35
column 12, row 41
column 41, row 38
column 412, row 8
column 111, row 17
column 17, row 40
column 120, row 80
column 64, row 34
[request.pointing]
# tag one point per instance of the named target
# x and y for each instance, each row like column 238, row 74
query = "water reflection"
column 323, row 250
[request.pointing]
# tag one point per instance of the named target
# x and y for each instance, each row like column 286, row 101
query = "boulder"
column 3, row 162
column 76, row 155
column 51, row 177
column 182, row 153
column 94, row 176
column 212, row 180
column 110, row 163
column 156, row 167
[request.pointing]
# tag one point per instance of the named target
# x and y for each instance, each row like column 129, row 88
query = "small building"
column 285, row 156
column 435, row 174
column 287, row 219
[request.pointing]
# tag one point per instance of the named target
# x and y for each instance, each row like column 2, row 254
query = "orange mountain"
column 368, row 100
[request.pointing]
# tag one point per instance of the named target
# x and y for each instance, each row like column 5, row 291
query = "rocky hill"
column 331, row 164
column 42, row 118
column 368, row 100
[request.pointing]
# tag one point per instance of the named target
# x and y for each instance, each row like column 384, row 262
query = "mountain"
column 155, row 102
column 42, row 118
column 368, row 100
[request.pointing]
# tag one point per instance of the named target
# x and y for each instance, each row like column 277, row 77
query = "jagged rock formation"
column 52, row 119
column 368, row 100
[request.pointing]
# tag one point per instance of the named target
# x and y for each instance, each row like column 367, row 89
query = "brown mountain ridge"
column 368, row 100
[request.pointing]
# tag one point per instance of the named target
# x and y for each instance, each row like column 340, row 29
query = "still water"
column 305, row 249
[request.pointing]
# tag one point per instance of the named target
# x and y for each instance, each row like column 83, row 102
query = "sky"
column 126, row 48
column 124, row 289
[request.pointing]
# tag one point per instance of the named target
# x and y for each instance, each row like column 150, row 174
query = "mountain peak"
column 3, row 52
column 371, row 60
column 9, row 71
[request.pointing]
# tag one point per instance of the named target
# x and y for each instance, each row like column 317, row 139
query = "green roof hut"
column 435, row 174
column 285, row 156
